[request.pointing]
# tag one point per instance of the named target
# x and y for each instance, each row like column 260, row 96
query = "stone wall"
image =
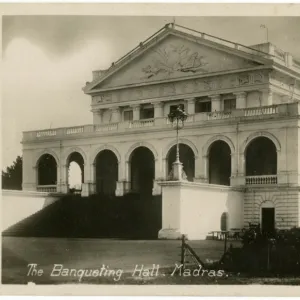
column 285, row 201
column 18, row 205
column 195, row 209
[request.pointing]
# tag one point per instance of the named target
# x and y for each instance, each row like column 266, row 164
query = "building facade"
column 242, row 129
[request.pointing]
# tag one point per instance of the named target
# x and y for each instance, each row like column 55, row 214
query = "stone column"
column 267, row 97
column 122, row 184
column 241, row 100
column 136, row 111
column 239, row 179
column 97, row 116
column 115, row 114
column 205, row 168
column 158, row 176
column 234, row 168
column 158, row 109
column 199, row 170
column 62, row 184
column 190, row 106
column 234, row 164
column 126, row 181
column 89, row 184
column 215, row 103
column 164, row 169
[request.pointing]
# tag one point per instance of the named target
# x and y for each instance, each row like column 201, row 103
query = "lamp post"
column 177, row 118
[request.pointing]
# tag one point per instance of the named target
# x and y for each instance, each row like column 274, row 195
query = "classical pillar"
column 122, row 184
column 158, row 109
column 215, row 103
column 267, row 97
column 62, row 179
column 241, row 100
column 136, row 111
column 165, row 169
column 190, row 106
column 89, row 184
column 199, row 170
column 242, row 165
column 205, row 168
column 97, row 116
column 115, row 114
column 234, row 168
column 158, row 176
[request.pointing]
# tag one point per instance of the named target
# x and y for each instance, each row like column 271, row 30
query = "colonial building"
column 242, row 129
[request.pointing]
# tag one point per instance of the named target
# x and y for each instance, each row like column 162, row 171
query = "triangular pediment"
column 175, row 56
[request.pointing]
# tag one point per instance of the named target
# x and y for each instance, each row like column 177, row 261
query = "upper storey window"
column 128, row 115
column 174, row 107
column 229, row 102
column 202, row 104
column 147, row 112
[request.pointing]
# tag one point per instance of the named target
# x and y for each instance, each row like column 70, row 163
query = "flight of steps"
column 132, row 216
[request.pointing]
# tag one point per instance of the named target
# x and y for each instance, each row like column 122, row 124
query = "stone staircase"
column 132, row 216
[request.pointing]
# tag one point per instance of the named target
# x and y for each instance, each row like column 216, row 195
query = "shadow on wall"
column 97, row 216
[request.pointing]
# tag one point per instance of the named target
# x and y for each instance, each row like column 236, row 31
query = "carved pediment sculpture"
column 175, row 58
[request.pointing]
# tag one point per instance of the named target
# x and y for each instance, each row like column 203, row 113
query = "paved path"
column 17, row 253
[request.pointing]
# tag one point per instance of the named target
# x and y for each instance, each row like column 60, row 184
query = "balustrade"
column 218, row 115
column 106, row 127
column 262, row 179
column 141, row 123
column 75, row 130
column 263, row 110
column 46, row 188
column 161, row 122
column 46, row 133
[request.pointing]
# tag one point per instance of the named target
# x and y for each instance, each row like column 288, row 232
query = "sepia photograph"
column 150, row 150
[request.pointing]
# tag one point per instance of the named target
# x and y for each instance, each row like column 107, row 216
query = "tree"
column 12, row 178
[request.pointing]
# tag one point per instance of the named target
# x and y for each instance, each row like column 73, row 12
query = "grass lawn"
column 114, row 255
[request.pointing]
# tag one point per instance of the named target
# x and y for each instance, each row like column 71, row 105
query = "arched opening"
column 106, row 172
column 47, row 170
column 261, row 157
column 187, row 158
column 224, row 221
column 75, row 165
column 219, row 163
column 142, row 170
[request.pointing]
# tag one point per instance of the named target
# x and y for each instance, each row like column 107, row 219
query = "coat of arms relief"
column 172, row 59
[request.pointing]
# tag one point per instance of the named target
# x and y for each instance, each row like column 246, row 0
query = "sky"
column 46, row 61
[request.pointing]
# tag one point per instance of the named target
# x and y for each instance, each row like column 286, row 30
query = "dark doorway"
column 106, row 172
column 268, row 219
column 224, row 221
column 219, row 163
column 142, row 171
column 47, row 170
column 261, row 157
column 187, row 158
